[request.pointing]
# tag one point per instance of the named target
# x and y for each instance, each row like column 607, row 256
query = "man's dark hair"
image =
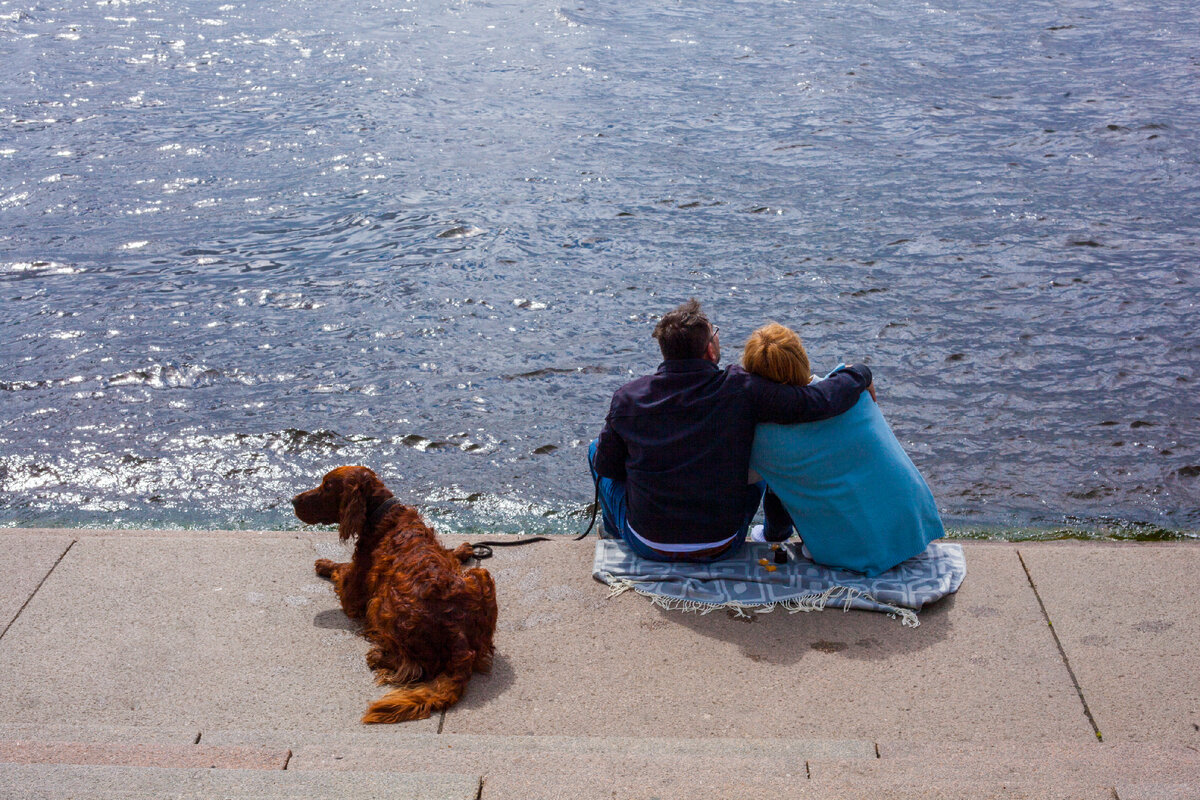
column 684, row 332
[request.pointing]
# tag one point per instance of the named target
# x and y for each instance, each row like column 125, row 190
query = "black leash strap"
column 482, row 550
column 595, row 509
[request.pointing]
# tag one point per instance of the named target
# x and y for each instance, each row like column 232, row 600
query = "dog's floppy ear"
column 353, row 513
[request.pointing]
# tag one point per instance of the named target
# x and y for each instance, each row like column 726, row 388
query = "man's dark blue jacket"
column 681, row 439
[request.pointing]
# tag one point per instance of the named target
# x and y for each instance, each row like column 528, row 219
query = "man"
column 673, row 459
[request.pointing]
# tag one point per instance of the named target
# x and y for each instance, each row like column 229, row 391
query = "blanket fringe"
column 806, row 603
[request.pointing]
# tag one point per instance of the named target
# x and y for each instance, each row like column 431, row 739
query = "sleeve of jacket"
column 776, row 402
column 611, row 454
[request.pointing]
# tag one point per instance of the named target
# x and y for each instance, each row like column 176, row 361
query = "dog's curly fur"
column 429, row 620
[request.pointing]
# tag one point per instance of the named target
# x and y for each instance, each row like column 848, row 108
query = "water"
column 242, row 243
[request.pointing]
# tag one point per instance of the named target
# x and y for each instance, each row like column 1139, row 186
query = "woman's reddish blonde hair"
column 776, row 352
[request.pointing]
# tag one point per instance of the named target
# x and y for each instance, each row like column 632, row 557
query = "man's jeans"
column 615, row 506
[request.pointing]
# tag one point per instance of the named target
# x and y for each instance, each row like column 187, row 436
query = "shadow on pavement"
column 335, row 618
column 781, row 638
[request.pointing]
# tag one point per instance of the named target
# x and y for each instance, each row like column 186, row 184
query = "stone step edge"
column 390, row 737
column 1149, row 790
column 54, row 781
column 795, row 749
column 733, row 748
column 979, row 768
column 97, row 733
column 394, row 738
column 132, row 754
column 37, row 781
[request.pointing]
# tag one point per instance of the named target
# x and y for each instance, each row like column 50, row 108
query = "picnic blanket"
column 742, row 584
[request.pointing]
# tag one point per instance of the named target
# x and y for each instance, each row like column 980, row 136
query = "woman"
column 854, row 495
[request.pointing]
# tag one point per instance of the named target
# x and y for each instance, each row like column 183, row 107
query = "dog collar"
column 378, row 513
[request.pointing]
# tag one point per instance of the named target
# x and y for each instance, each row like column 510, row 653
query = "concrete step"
column 394, row 737
column 100, row 761
column 144, row 755
column 56, row 782
column 1010, row 770
column 576, row 768
column 131, row 747
column 1086, row 762
column 583, row 768
column 96, row 733
column 950, row 789
column 1158, row 791
column 512, row 766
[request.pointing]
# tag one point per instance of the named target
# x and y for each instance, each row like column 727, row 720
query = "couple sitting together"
column 689, row 453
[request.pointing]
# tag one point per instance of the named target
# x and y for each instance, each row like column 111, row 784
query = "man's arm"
column 777, row 402
column 611, row 454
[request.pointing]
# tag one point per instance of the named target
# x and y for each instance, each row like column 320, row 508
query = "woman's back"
column 854, row 495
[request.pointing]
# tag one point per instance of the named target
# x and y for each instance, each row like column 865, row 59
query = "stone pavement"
column 151, row 664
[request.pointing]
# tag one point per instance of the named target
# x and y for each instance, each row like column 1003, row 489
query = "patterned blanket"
column 745, row 584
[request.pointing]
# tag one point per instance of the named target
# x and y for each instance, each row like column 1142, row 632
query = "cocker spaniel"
column 429, row 620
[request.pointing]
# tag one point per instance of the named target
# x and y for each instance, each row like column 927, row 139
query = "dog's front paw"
column 324, row 567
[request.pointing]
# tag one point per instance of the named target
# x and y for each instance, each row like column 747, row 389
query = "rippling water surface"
column 242, row 243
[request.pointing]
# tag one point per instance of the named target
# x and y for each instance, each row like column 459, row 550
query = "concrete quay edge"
column 228, row 639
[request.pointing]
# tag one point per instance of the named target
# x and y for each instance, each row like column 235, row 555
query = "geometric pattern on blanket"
column 744, row 586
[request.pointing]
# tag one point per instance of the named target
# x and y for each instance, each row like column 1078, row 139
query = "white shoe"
column 756, row 534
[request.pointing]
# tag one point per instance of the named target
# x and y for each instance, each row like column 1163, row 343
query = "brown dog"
column 430, row 621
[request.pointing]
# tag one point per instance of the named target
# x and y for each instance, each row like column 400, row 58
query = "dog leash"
column 482, row 550
column 595, row 508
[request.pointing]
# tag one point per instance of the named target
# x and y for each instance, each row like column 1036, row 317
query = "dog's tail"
column 419, row 700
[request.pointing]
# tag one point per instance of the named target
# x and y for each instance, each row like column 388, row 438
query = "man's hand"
column 871, row 389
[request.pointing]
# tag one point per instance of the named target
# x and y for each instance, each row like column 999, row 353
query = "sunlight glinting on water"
column 242, row 245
